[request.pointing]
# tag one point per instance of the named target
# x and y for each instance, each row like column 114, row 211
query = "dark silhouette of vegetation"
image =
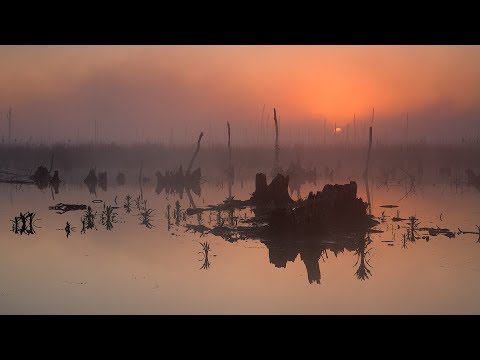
column 109, row 216
column 362, row 251
column 127, row 205
column 24, row 224
column 205, row 261
column 68, row 229
column 88, row 220
column 146, row 215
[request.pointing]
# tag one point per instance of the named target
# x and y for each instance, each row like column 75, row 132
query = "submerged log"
column 62, row 208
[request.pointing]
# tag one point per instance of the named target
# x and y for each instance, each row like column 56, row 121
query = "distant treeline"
column 346, row 160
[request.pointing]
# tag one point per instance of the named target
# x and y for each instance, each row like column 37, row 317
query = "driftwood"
column 438, row 231
column 229, row 204
column 62, row 208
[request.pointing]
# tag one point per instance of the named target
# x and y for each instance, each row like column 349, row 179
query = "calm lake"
column 131, row 268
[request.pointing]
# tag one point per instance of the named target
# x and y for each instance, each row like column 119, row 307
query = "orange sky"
column 164, row 86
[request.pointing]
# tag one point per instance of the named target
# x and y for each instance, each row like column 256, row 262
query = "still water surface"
column 132, row 269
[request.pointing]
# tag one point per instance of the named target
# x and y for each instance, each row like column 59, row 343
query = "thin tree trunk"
column 195, row 154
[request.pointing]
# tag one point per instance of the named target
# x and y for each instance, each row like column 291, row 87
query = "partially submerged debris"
column 42, row 178
column 438, row 231
column 398, row 218
column 273, row 195
column 62, row 208
column 336, row 207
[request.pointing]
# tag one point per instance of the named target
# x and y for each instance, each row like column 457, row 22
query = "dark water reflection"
column 131, row 257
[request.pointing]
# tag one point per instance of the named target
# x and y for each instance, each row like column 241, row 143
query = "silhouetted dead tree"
column 230, row 166
column 276, row 163
column 189, row 168
column 366, row 173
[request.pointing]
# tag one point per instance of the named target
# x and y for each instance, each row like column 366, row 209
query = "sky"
column 171, row 93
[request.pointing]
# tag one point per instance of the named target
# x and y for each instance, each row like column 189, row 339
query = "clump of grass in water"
column 109, row 216
column 205, row 251
column 138, row 203
column 24, row 224
column 128, row 204
column 145, row 216
column 88, row 220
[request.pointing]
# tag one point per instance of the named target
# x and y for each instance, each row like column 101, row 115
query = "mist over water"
column 239, row 180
